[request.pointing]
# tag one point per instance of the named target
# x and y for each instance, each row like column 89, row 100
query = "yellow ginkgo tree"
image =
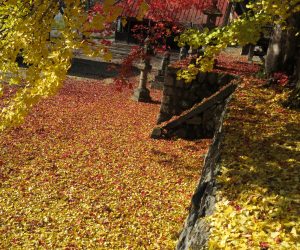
column 25, row 27
column 246, row 29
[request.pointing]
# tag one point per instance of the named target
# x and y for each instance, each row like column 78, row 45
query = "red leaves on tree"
column 126, row 70
column 157, row 34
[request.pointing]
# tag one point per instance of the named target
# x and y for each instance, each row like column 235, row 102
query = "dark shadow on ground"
column 95, row 69
column 154, row 102
column 261, row 152
column 269, row 162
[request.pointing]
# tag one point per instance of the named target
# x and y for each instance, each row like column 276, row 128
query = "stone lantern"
column 158, row 83
column 212, row 13
column 141, row 93
column 183, row 53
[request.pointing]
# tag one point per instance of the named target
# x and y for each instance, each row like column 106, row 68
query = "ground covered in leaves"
column 83, row 173
column 259, row 192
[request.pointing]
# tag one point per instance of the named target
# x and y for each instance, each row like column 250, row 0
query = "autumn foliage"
column 258, row 202
column 82, row 172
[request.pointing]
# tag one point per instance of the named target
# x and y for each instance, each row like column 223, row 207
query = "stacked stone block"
column 179, row 96
column 200, row 121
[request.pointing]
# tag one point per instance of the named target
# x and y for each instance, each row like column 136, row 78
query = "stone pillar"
column 173, row 91
column 167, row 102
column 160, row 78
column 183, row 53
column 141, row 93
column 192, row 54
column 165, row 61
column 192, row 51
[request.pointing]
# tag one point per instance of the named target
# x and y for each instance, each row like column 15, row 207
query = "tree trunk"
column 284, row 55
column 294, row 98
column 289, row 57
column 275, row 51
column 282, row 47
column 294, row 41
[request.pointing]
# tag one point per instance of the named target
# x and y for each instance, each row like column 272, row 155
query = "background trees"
column 283, row 50
column 284, row 55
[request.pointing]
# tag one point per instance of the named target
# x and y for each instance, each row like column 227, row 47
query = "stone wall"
column 199, row 109
column 179, row 96
column 195, row 233
column 200, row 121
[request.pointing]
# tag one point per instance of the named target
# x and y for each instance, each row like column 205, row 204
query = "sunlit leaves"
column 25, row 28
column 245, row 29
column 258, row 202
column 82, row 172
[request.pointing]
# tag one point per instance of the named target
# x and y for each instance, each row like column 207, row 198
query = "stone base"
column 156, row 133
column 157, row 85
column 158, row 82
column 162, row 117
column 141, row 95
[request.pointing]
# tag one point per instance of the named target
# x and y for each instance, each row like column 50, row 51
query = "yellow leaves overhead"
column 114, row 11
column 25, row 29
column 142, row 10
column 108, row 4
column 245, row 29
